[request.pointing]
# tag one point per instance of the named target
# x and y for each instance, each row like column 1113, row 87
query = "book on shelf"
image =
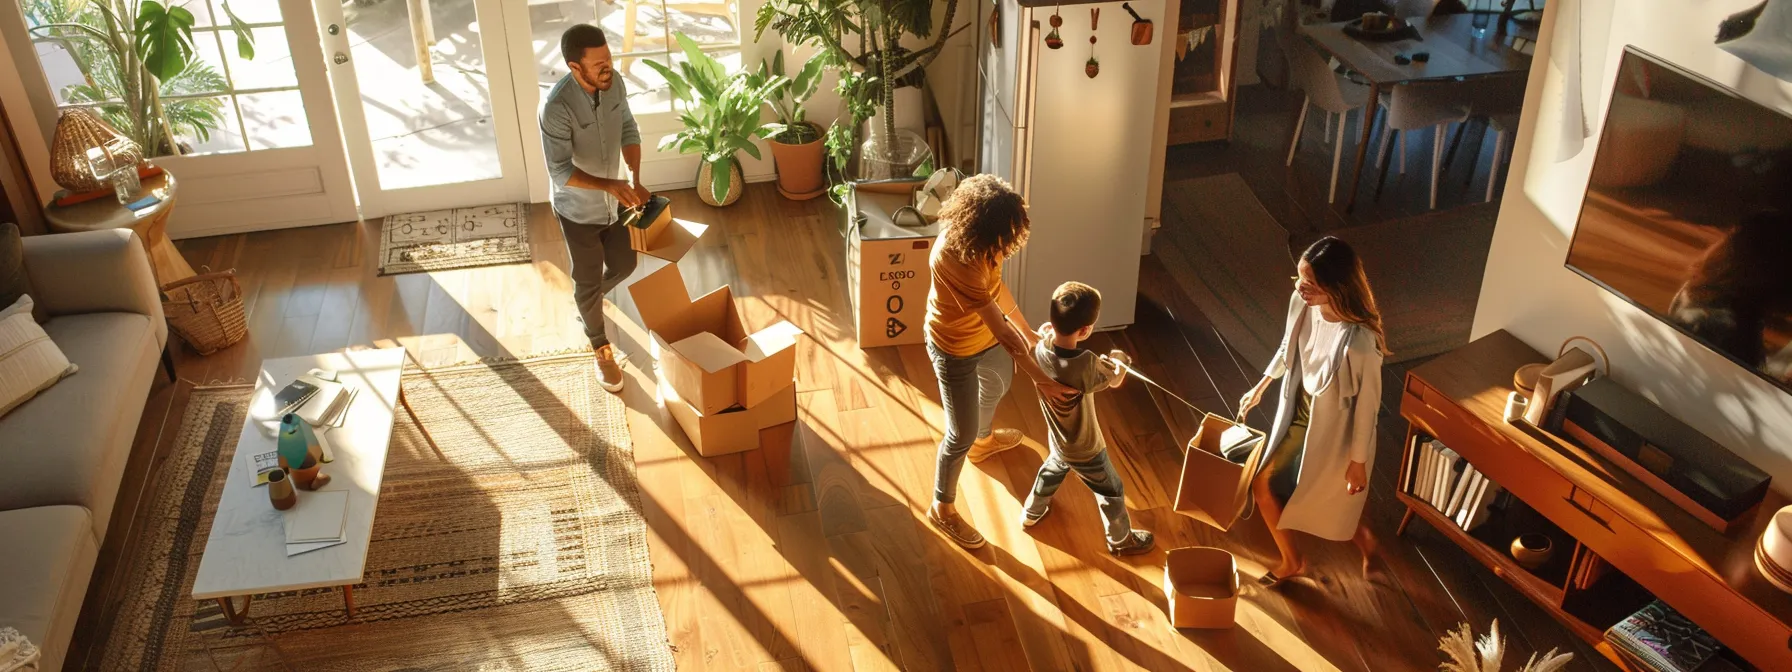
column 1483, row 506
column 1460, row 482
column 1425, row 474
column 1477, row 482
column 1661, row 639
column 1447, row 469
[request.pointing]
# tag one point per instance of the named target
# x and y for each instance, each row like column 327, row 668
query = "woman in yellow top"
column 1323, row 439
column 974, row 336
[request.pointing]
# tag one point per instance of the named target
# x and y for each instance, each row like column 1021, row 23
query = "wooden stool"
column 151, row 225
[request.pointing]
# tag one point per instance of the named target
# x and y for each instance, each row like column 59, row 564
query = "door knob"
column 340, row 58
column 333, row 29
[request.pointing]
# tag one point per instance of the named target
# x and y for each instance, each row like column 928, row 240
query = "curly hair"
column 985, row 220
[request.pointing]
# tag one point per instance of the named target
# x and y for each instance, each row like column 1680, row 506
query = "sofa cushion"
column 68, row 444
column 29, row 361
column 47, row 560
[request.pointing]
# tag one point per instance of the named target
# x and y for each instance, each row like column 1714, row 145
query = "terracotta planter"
column 308, row 477
column 800, row 173
column 736, row 184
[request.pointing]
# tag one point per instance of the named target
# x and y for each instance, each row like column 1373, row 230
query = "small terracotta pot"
column 280, row 490
column 1532, row 550
column 307, row 477
column 1092, row 68
column 800, row 174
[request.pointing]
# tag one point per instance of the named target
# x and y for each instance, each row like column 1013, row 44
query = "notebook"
column 318, row 517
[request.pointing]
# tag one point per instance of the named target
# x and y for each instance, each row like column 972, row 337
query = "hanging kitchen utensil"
column 1093, row 67
column 995, row 26
column 1141, row 26
column 1052, row 39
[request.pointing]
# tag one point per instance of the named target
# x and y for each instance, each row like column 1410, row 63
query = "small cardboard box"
column 1202, row 586
column 664, row 236
column 1212, row 489
column 703, row 349
column 886, row 266
column 733, row 430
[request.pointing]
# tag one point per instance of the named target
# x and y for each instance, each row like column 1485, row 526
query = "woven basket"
column 206, row 310
column 77, row 131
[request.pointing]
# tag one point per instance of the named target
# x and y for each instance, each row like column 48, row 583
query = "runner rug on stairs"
column 521, row 546
column 442, row 240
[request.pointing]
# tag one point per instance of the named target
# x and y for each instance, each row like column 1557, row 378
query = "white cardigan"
column 1341, row 431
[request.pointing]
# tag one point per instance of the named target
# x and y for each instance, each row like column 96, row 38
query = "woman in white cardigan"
column 1323, row 440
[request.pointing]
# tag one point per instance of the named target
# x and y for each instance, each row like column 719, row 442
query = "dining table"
column 1454, row 53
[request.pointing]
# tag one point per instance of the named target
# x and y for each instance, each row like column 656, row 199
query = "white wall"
column 1529, row 292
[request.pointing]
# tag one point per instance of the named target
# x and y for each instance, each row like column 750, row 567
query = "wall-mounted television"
column 1688, row 212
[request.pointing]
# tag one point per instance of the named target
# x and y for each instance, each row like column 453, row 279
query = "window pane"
column 204, row 125
column 202, row 12
column 424, row 133
column 255, row 11
column 64, row 72
column 649, row 26
column 548, row 21
column 647, row 92
column 205, row 74
column 705, row 21
column 272, row 67
column 275, row 120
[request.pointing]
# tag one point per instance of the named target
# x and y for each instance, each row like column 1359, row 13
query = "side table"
column 151, row 225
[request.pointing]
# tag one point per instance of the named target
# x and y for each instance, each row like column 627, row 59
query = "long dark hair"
column 1339, row 273
column 985, row 220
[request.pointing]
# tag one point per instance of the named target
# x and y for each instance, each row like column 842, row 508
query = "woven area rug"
column 523, row 549
column 441, row 240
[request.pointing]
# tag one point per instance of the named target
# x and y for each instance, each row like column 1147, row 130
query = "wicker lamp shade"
column 77, row 131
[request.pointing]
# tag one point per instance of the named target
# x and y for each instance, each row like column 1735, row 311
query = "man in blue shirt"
column 586, row 127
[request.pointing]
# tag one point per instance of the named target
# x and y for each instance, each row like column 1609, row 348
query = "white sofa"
column 63, row 453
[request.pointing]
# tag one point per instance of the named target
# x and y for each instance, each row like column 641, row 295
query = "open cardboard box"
column 733, row 430
column 1202, row 587
column 703, row 348
column 665, row 237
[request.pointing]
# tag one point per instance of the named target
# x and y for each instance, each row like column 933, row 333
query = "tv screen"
column 1686, row 212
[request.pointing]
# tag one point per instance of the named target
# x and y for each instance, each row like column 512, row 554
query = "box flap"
column 661, row 299
column 709, row 351
column 675, row 240
column 771, row 340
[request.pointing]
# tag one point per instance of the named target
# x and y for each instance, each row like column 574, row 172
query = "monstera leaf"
column 164, row 38
column 245, row 38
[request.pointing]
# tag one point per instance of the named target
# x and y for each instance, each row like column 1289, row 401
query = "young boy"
column 1076, row 441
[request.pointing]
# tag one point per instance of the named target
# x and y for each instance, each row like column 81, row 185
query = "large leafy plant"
column 132, row 53
column 721, row 111
column 793, row 127
column 863, row 39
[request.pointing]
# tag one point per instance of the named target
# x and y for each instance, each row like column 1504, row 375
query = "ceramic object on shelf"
column 1531, row 550
column 1773, row 554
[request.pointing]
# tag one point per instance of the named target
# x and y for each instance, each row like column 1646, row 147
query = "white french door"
column 423, row 89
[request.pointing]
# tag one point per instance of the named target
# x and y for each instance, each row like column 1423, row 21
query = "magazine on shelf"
column 1663, row 639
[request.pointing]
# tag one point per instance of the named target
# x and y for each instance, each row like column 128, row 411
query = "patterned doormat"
column 441, row 240
column 520, row 547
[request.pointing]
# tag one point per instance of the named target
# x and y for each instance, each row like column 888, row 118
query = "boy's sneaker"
column 1139, row 543
column 997, row 441
column 1027, row 519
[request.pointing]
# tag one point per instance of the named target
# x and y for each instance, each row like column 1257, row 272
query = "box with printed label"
column 703, row 348
column 886, row 267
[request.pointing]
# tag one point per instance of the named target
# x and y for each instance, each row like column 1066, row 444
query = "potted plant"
column 721, row 118
column 872, row 67
column 795, row 142
column 132, row 53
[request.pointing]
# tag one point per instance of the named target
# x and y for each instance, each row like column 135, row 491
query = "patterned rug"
column 442, row 240
column 524, row 549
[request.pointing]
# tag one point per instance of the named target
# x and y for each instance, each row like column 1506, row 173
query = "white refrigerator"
column 1078, row 148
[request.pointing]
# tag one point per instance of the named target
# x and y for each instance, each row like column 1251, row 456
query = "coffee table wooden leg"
column 406, row 403
column 348, row 600
column 231, row 613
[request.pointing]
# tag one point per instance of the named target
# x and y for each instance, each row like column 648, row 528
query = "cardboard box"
column 1202, row 586
column 1212, row 489
column 886, row 268
column 733, row 430
column 703, row 349
column 665, row 237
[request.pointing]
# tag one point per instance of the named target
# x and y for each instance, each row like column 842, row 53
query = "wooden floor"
column 812, row 552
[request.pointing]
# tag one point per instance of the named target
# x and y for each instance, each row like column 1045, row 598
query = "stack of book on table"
column 1660, row 639
column 1451, row 485
column 317, row 398
column 317, row 521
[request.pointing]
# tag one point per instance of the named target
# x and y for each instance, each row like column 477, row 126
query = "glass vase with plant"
column 720, row 115
column 132, row 54
column 863, row 39
column 795, row 141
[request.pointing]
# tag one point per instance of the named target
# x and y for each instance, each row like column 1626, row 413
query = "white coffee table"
column 246, row 551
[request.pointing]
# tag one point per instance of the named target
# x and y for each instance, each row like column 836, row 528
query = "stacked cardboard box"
column 720, row 383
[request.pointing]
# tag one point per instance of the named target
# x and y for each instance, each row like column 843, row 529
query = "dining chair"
column 1326, row 90
column 1497, row 102
column 1416, row 106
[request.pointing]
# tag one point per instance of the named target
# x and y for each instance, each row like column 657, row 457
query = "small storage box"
column 1202, row 584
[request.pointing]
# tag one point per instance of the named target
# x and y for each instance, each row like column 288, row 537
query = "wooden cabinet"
column 1628, row 544
column 1203, row 88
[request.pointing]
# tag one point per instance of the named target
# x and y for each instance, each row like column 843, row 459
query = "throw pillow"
column 13, row 282
column 29, row 362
